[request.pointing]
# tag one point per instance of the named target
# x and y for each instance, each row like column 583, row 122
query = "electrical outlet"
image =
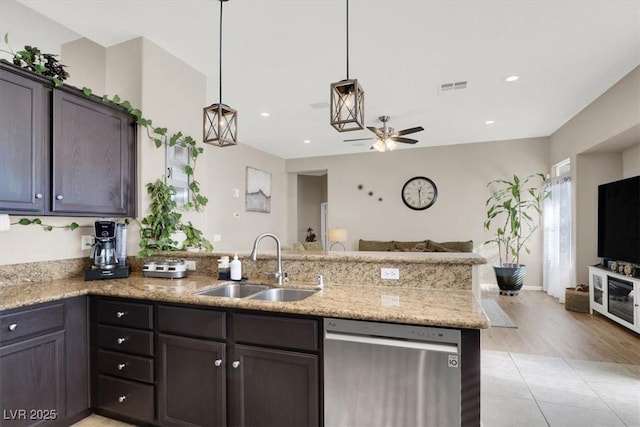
column 390, row 273
column 217, row 237
column 86, row 242
column 191, row 265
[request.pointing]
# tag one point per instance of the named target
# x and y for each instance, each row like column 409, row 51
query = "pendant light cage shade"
column 220, row 125
column 347, row 105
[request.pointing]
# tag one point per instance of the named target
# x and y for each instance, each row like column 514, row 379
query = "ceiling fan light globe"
column 380, row 146
column 390, row 144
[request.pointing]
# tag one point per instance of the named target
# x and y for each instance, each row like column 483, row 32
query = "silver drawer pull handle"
column 120, row 314
column 121, row 366
column 122, row 399
column 38, row 195
column 13, row 326
column 59, row 197
column 121, row 340
column 235, row 364
column 218, row 362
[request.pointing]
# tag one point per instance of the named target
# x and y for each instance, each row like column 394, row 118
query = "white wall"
column 631, row 162
column 461, row 173
column 602, row 142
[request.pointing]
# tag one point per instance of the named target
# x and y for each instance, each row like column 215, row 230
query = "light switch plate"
column 390, row 273
column 191, row 265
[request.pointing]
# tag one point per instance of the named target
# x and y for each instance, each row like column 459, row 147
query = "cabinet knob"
column 120, row 314
column 122, row 399
column 235, row 363
column 121, row 366
column 218, row 362
column 59, row 197
column 13, row 326
column 38, row 195
column 121, row 340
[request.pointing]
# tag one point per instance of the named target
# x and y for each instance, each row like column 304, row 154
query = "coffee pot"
column 104, row 248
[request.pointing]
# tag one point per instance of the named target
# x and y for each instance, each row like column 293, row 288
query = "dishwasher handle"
column 391, row 342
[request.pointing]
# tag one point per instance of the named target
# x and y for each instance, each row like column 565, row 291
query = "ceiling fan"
column 387, row 138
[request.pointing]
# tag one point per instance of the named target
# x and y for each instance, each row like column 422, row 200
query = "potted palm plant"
column 514, row 208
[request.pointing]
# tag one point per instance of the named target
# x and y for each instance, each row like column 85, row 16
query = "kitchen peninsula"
column 178, row 325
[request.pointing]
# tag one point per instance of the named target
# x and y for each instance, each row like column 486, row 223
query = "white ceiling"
column 281, row 56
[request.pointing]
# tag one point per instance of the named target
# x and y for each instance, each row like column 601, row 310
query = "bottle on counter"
column 236, row 268
column 223, row 268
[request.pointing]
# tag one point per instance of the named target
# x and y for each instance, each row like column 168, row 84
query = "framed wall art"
column 258, row 192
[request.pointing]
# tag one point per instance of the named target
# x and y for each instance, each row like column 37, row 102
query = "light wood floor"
column 546, row 328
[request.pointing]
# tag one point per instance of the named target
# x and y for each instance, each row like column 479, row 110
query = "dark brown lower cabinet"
column 32, row 386
column 192, row 386
column 44, row 364
column 273, row 388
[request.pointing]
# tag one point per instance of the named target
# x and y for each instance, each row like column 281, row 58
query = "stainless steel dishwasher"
column 381, row 374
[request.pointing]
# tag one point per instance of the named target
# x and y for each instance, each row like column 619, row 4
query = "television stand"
column 615, row 296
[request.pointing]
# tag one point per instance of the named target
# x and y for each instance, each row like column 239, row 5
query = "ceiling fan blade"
column 359, row 139
column 375, row 130
column 410, row 130
column 404, row 140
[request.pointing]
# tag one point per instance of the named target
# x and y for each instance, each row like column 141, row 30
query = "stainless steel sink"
column 283, row 294
column 234, row 290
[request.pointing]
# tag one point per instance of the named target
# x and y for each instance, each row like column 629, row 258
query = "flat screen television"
column 619, row 220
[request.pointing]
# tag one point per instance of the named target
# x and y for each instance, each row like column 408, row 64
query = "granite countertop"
column 446, row 308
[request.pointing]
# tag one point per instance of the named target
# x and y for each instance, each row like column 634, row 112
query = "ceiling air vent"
column 319, row 105
column 445, row 87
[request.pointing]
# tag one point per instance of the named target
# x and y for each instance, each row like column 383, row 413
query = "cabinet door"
column 273, row 388
column 192, row 382
column 93, row 158
column 24, row 136
column 32, row 381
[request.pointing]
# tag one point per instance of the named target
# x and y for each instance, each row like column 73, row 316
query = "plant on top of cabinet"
column 35, row 60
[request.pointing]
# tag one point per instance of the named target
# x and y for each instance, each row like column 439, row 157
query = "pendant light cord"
column 220, row 57
column 347, row 39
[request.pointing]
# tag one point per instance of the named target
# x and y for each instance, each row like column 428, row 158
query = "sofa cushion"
column 313, row 246
column 466, row 246
column 375, row 245
column 297, row 246
column 419, row 246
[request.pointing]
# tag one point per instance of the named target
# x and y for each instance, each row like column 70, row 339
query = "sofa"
column 416, row 246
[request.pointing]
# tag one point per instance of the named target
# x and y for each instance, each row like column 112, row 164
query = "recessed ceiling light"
column 489, row 122
column 511, row 79
column 307, row 141
column 265, row 114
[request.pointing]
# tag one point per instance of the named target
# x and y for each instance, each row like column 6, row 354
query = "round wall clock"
column 419, row 193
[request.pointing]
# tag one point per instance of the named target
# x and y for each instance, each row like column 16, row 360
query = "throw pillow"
column 313, row 246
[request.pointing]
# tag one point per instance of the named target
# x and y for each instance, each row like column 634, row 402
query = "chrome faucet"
column 279, row 275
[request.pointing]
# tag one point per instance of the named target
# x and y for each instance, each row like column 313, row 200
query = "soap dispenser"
column 236, row 268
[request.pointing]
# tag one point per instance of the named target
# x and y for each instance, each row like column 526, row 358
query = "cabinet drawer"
column 193, row 322
column 288, row 332
column 125, row 366
column 29, row 322
column 126, row 397
column 125, row 314
column 126, row 340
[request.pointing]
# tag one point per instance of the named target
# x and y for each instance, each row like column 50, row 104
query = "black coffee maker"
column 106, row 263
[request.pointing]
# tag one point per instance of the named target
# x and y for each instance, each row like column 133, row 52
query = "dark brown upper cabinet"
column 64, row 153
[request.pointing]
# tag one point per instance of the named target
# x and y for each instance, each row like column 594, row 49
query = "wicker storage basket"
column 576, row 300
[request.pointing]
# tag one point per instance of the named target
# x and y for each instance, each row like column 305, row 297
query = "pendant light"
column 347, row 99
column 220, row 126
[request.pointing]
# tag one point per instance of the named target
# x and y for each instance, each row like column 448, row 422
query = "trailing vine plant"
column 157, row 227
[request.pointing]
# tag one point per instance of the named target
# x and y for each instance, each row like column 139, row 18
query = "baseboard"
column 494, row 287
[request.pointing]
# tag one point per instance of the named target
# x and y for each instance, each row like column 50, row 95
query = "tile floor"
column 529, row 390
column 523, row 390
